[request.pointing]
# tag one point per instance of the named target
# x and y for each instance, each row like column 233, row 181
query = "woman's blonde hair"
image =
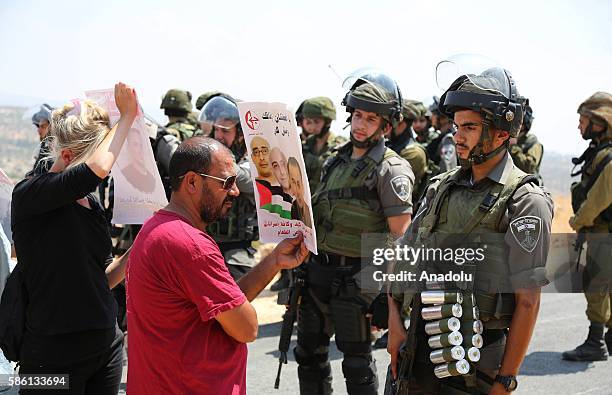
column 80, row 128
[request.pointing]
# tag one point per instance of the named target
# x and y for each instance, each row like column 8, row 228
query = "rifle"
column 579, row 246
column 289, row 318
column 406, row 355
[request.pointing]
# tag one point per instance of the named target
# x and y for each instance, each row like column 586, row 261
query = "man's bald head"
column 260, row 154
column 194, row 154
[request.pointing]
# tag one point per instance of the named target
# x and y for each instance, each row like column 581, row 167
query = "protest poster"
column 139, row 191
column 282, row 192
column 6, row 193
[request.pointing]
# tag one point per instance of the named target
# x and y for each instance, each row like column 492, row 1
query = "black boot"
column 609, row 340
column 593, row 349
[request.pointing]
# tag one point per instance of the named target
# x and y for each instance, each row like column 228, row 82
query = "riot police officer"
column 440, row 145
column 235, row 233
column 488, row 200
column 592, row 204
column 401, row 140
column 177, row 106
column 526, row 150
column 365, row 187
column 206, row 127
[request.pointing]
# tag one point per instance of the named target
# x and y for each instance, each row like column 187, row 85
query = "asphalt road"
column 562, row 325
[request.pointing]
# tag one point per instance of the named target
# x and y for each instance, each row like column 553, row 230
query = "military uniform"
column 415, row 155
column 354, row 197
column 592, row 203
column 527, row 153
column 314, row 160
column 506, row 215
column 451, row 202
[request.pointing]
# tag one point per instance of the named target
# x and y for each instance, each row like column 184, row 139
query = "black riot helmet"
column 476, row 83
column 390, row 108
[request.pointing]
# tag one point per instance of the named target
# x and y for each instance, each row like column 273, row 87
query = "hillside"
column 18, row 142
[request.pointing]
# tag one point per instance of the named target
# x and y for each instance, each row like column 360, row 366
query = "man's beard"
column 209, row 212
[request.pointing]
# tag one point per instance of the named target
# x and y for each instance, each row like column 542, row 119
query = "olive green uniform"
column 594, row 215
column 527, row 153
column 515, row 257
column 314, row 160
column 354, row 196
column 415, row 154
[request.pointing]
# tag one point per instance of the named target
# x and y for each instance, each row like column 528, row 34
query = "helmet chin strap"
column 477, row 155
column 323, row 131
column 370, row 141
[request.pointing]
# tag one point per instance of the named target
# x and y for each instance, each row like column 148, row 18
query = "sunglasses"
column 228, row 183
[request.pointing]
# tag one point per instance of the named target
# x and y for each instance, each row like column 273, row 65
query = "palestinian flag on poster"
column 273, row 199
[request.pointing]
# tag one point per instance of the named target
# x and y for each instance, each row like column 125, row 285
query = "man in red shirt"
column 189, row 321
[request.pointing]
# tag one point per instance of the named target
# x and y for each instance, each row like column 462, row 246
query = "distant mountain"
column 18, row 142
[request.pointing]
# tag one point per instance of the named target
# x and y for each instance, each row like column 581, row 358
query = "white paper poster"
column 139, row 191
column 282, row 193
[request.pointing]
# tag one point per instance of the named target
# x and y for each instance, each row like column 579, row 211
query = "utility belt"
column 236, row 245
column 329, row 259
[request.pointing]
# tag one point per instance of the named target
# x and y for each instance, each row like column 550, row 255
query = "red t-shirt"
column 177, row 282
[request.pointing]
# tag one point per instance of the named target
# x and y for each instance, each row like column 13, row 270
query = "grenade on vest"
column 442, row 326
column 452, row 369
column 449, row 354
column 441, row 311
column 441, row 297
column 473, row 341
column 445, row 340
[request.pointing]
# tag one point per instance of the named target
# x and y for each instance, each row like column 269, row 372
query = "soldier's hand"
column 290, row 253
column 498, row 389
column 125, row 98
column 397, row 337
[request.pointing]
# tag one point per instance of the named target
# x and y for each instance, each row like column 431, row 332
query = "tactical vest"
column 477, row 215
column 595, row 162
column 347, row 205
column 182, row 130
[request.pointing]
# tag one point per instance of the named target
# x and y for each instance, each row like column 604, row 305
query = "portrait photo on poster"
column 138, row 189
column 282, row 192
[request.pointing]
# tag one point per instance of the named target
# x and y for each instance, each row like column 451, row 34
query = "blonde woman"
column 63, row 247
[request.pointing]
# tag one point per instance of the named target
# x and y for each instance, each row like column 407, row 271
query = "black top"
column 64, row 248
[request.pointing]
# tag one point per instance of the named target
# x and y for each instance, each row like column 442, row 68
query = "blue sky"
column 559, row 52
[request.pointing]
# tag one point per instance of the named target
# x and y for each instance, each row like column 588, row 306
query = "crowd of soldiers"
column 467, row 164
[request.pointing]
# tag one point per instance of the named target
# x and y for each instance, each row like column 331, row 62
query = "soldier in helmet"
column 177, row 106
column 365, row 188
column 201, row 101
column 316, row 115
column 422, row 124
column 41, row 120
column 526, row 151
column 440, row 145
column 592, row 204
column 235, row 233
column 401, row 140
column 487, row 200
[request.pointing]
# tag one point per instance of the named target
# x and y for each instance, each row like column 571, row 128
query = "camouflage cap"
column 598, row 107
column 318, row 107
column 177, row 99
column 410, row 110
column 421, row 110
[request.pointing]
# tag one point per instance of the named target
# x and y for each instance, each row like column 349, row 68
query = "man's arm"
column 399, row 224
column 521, row 330
column 241, row 321
column 115, row 272
column 598, row 199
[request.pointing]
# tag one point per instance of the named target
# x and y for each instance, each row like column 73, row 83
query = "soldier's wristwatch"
column 509, row 382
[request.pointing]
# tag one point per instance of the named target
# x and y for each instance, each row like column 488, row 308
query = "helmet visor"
column 220, row 112
column 482, row 72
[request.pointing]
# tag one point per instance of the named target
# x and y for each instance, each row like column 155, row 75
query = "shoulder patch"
column 401, row 186
column 526, row 231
